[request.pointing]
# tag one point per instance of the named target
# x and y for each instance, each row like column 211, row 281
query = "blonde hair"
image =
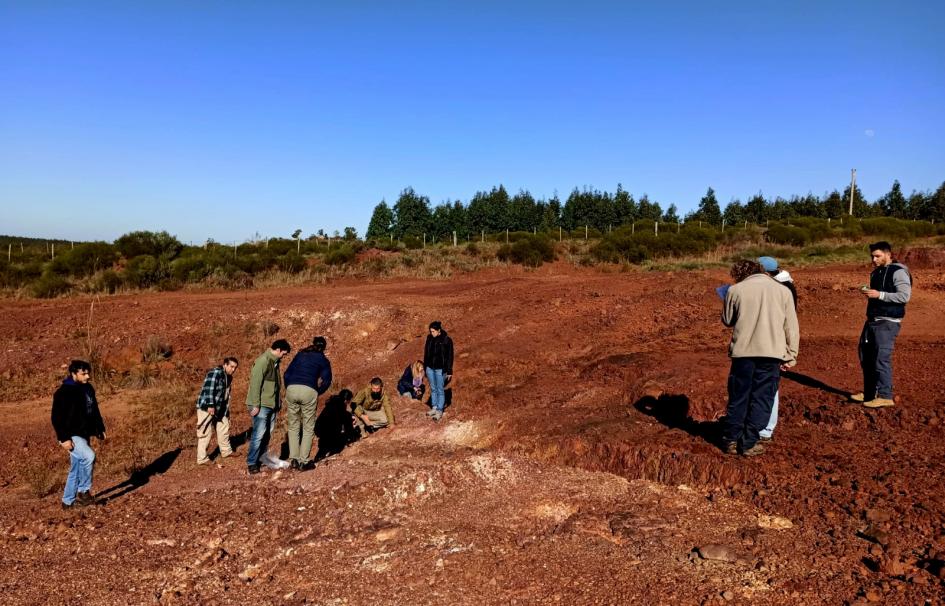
column 417, row 368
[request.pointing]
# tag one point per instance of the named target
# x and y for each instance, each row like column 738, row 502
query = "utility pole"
column 852, row 187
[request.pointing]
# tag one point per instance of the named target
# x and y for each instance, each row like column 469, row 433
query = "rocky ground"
column 576, row 465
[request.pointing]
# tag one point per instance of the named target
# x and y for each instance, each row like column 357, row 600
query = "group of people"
column 761, row 309
column 345, row 417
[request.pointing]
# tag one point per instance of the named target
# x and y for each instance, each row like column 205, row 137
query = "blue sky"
column 224, row 119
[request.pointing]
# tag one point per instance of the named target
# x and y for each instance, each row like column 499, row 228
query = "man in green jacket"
column 372, row 408
column 262, row 399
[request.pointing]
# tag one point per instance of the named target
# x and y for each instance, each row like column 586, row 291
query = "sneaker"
column 67, row 506
column 879, row 403
column 754, row 451
column 731, row 448
column 857, row 397
column 437, row 415
column 308, row 466
column 431, row 412
column 765, row 438
column 294, row 465
column 254, row 468
column 84, row 499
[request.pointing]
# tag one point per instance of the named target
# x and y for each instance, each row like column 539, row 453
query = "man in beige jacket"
column 765, row 339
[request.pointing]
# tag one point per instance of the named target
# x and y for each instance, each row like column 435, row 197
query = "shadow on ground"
column 139, row 478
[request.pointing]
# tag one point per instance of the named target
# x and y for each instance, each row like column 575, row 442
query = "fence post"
column 454, row 238
column 656, row 228
column 482, row 235
column 585, row 232
column 559, row 233
column 424, row 239
column 53, row 250
column 633, row 228
column 506, row 235
column 723, row 225
column 9, row 252
column 700, row 223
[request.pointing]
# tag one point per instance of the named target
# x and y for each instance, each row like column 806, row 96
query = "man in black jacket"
column 438, row 360
column 887, row 294
column 76, row 418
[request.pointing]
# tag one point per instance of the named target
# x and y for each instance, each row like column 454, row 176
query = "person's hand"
column 784, row 367
column 871, row 294
column 366, row 419
column 102, row 437
column 447, row 378
column 67, row 445
column 211, row 411
column 254, row 411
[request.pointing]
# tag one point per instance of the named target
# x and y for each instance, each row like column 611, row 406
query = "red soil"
column 566, row 471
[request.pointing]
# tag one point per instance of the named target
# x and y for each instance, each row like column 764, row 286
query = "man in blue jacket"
column 889, row 290
column 306, row 378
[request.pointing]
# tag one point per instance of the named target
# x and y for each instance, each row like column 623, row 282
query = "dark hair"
column 318, row 344
column 436, row 325
column 745, row 267
column 281, row 344
column 345, row 395
column 882, row 245
column 229, row 359
column 377, row 381
column 77, row 365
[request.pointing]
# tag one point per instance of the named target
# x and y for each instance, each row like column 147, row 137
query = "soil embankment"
column 576, row 464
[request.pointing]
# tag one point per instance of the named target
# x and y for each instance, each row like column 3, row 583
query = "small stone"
column 873, row 595
column 717, row 552
column 386, row 534
column 775, row 522
column 250, row 573
column 728, row 596
column 877, row 515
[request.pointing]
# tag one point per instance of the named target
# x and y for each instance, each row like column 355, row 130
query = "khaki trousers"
column 205, row 430
column 377, row 417
column 301, row 402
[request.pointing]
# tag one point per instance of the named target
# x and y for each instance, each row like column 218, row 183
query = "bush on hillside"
column 50, row 285
column 340, row 255
column 530, row 251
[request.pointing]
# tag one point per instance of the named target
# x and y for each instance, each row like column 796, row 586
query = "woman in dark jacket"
column 411, row 382
column 438, row 359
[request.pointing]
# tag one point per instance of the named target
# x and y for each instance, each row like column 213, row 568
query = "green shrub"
column 189, row 269
column 779, row 233
column 85, row 259
column 50, row 285
column 108, row 282
column 340, row 255
column 155, row 244
column 530, row 251
column 144, row 271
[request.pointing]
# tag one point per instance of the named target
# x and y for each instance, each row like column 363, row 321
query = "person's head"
column 769, row 264
column 881, row 253
column 319, row 343
column 280, row 347
column 80, row 371
column 229, row 365
column 417, row 368
column 345, row 395
column 744, row 268
column 436, row 328
column 377, row 385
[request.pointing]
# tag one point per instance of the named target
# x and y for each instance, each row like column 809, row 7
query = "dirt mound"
column 923, row 258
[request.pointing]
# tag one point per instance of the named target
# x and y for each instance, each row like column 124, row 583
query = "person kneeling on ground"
column 764, row 341
column 372, row 409
column 76, row 418
column 335, row 425
column 411, row 382
column 213, row 410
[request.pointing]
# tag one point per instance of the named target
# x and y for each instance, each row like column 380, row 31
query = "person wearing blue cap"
column 770, row 265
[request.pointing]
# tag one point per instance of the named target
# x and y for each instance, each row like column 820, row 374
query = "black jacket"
column 75, row 411
column 438, row 353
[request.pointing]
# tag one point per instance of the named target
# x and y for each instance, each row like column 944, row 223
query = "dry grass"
column 43, row 478
column 155, row 349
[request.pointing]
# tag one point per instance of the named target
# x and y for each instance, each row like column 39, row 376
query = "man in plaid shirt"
column 213, row 410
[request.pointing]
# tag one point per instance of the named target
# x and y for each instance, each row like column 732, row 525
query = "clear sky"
column 224, row 119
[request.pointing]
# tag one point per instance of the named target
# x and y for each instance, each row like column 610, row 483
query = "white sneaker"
column 437, row 415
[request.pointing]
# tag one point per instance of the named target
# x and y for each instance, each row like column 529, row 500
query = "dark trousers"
column 752, row 383
column 876, row 348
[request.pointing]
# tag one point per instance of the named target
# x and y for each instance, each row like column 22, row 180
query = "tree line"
column 496, row 210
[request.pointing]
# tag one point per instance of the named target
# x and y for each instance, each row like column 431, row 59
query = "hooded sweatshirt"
column 75, row 411
column 761, row 312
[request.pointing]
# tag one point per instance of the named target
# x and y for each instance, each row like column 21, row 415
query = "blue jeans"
column 876, row 348
column 752, row 383
column 437, row 392
column 263, row 424
column 82, row 458
column 768, row 431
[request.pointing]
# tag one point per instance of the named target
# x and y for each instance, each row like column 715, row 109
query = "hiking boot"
column 731, row 448
column 765, row 438
column 254, row 468
column 67, row 506
column 294, row 465
column 308, row 466
column 879, row 403
column 857, row 397
column 84, row 499
column 754, row 451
